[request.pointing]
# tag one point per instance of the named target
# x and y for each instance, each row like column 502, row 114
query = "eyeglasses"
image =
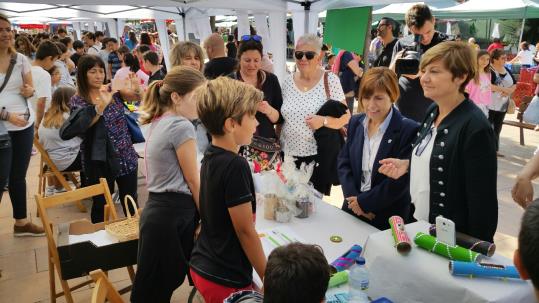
column 256, row 38
column 300, row 54
column 423, row 144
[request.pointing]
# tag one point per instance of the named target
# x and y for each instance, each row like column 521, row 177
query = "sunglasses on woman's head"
column 309, row 55
column 256, row 38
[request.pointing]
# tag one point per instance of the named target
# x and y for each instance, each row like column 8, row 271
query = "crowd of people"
column 423, row 144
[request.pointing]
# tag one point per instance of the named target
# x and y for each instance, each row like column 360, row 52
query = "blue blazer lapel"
column 356, row 152
column 391, row 137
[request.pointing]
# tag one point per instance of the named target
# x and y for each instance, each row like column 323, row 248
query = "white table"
column 422, row 276
column 326, row 221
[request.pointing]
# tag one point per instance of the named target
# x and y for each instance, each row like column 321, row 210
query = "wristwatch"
column 325, row 121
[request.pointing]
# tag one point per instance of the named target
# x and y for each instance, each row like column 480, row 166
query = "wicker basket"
column 127, row 229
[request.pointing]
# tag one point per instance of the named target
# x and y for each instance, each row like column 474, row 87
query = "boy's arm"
column 242, row 220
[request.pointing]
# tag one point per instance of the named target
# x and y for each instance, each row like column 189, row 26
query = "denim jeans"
column 14, row 163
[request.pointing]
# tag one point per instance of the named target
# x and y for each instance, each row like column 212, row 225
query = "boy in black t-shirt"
column 228, row 246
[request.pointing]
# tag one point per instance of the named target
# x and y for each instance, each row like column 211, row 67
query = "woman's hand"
column 353, row 204
column 27, row 91
column 17, row 119
column 314, row 121
column 522, row 192
column 394, row 168
column 104, row 99
column 264, row 107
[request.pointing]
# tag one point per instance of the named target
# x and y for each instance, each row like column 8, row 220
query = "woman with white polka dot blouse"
column 303, row 95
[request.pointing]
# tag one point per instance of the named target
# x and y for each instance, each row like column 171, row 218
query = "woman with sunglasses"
column 16, row 128
column 453, row 169
column 304, row 93
column 380, row 132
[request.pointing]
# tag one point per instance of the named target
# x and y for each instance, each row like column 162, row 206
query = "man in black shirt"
column 231, row 49
column 412, row 103
column 151, row 64
column 219, row 64
column 385, row 33
column 78, row 46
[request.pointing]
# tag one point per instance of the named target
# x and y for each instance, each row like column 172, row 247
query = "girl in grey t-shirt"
column 167, row 224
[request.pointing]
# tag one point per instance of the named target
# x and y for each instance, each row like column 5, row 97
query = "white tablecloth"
column 325, row 222
column 422, row 276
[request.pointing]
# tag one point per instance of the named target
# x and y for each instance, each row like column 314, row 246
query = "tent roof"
column 398, row 10
column 503, row 9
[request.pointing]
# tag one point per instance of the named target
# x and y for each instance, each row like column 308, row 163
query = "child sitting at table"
column 64, row 154
column 295, row 273
column 526, row 256
column 228, row 246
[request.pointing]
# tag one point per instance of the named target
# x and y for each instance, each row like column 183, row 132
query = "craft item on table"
column 348, row 259
column 335, row 239
column 382, row 300
column 302, row 204
column 474, row 244
column 341, row 297
column 456, row 252
column 338, row 279
column 283, row 214
column 270, row 204
column 400, row 237
column 458, row 268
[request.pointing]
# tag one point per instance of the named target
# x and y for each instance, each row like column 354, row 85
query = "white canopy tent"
column 191, row 16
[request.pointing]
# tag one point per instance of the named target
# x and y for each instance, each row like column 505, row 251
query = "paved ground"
column 23, row 261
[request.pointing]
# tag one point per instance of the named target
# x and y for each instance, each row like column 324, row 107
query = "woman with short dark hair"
column 380, row 132
column 453, row 168
column 97, row 115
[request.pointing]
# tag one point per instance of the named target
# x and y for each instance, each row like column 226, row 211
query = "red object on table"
column 523, row 89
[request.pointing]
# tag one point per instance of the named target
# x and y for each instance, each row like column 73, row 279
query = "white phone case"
column 445, row 231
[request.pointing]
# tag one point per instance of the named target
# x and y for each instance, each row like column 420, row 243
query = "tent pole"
column 521, row 31
column 306, row 8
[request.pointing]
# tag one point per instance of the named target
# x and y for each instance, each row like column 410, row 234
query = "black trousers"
column 127, row 185
column 496, row 120
column 14, row 163
column 166, row 239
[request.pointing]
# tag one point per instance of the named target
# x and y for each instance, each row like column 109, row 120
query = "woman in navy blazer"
column 380, row 132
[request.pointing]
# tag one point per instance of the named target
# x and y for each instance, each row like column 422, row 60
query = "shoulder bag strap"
column 326, row 85
column 12, row 62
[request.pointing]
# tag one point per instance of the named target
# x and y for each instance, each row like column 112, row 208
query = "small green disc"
column 335, row 239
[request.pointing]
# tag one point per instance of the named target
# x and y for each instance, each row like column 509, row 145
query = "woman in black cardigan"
column 453, row 168
column 380, row 132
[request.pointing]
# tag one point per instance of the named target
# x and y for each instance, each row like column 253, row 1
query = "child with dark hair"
column 526, row 257
column 294, row 273
column 78, row 46
column 150, row 60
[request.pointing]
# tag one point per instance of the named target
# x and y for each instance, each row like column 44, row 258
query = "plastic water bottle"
column 358, row 281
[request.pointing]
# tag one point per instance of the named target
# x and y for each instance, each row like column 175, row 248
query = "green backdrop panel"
column 347, row 28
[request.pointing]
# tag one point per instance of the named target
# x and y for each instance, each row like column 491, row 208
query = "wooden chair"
column 47, row 168
column 520, row 116
column 104, row 290
column 43, row 203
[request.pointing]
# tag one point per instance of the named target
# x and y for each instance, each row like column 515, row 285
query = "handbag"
column 5, row 139
column 265, row 153
column 127, row 229
column 132, row 126
column 531, row 114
